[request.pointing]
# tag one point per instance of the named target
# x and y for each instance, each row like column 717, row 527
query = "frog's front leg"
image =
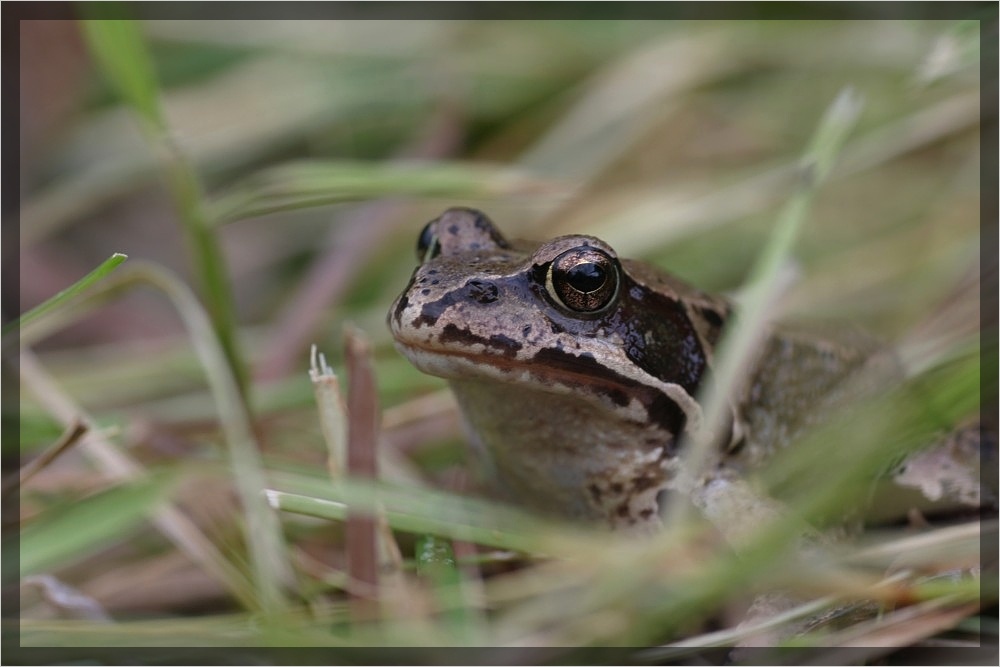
column 741, row 514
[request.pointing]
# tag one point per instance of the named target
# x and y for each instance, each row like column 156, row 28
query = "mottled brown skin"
column 579, row 413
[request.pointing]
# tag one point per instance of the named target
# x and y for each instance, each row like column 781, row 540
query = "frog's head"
column 566, row 316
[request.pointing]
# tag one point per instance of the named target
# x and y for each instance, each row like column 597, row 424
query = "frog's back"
column 802, row 375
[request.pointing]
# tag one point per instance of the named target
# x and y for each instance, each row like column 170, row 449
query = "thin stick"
column 73, row 433
column 362, row 438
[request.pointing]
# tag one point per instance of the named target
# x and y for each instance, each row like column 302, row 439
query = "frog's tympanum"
column 578, row 371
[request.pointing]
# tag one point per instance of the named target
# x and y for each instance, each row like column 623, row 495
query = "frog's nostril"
column 482, row 291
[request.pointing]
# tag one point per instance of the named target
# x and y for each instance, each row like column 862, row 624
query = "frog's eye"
column 583, row 279
column 428, row 245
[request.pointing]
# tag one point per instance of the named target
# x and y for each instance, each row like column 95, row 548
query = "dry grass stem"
column 362, row 442
column 74, row 432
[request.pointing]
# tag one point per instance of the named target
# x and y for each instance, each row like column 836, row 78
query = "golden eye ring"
column 583, row 280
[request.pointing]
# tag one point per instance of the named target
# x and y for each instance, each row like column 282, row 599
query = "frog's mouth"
column 504, row 366
column 557, row 371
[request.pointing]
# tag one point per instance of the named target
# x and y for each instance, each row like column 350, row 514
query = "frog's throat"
column 460, row 365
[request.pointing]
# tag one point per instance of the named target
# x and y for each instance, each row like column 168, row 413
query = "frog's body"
column 802, row 375
column 578, row 376
column 578, row 372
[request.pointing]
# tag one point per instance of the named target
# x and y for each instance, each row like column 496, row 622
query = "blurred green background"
column 282, row 170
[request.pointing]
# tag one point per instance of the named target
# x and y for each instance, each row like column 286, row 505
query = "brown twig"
column 73, row 433
column 362, row 439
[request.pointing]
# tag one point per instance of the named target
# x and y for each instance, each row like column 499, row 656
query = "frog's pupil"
column 586, row 277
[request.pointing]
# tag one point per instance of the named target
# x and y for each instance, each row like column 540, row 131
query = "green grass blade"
column 263, row 533
column 61, row 536
column 763, row 284
column 208, row 260
column 469, row 530
column 63, row 297
column 121, row 52
column 320, row 183
column 119, row 48
column 437, row 565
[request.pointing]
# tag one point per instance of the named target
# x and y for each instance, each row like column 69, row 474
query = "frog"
column 578, row 372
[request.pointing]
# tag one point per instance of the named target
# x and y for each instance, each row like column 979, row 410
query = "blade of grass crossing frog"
column 751, row 317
